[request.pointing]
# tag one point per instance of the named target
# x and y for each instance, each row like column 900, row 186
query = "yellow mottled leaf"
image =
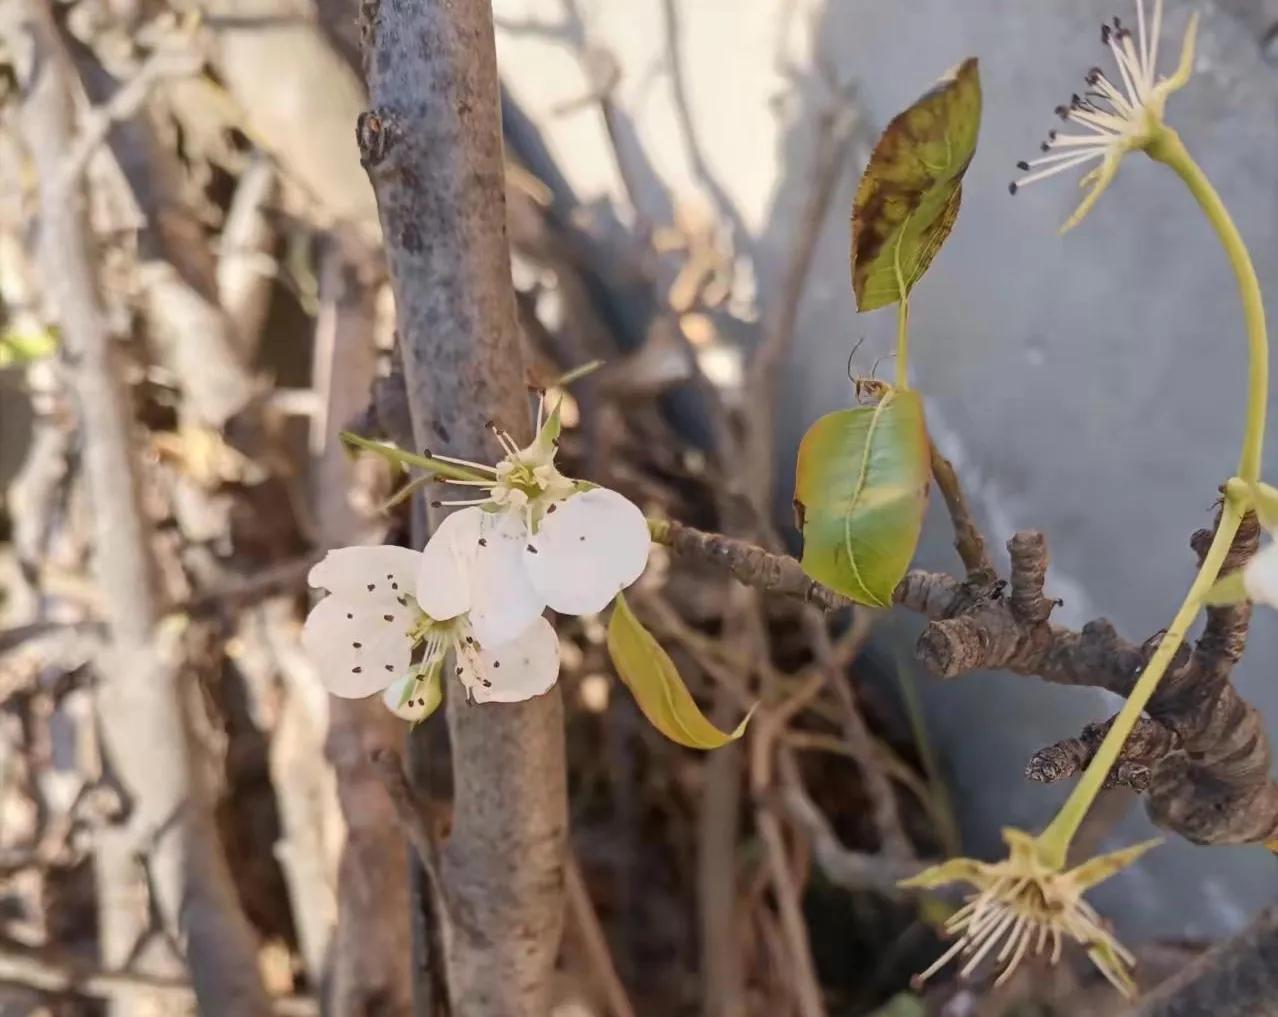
column 909, row 196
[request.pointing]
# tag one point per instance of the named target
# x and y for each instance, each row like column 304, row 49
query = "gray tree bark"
column 432, row 146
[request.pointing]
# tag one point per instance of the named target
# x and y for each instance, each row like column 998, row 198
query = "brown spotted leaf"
column 909, row 196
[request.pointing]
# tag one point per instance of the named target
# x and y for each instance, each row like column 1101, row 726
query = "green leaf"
column 398, row 457
column 654, row 681
column 909, row 196
column 860, row 492
column 548, row 434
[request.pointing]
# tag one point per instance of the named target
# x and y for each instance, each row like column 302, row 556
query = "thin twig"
column 66, row 976
column 413, row 814
column 968, row 540
column 123, row 104
column 852, row 870
column 887, row 818
column 593, row 939
column 768, row 727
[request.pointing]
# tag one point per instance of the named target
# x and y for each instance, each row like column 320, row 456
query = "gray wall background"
column 1090, row 386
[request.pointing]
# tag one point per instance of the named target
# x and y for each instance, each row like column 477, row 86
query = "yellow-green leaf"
column 909, row 196
column 654, row 681
column 860, row 493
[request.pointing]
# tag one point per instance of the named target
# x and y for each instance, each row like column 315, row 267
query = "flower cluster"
column 534, row 539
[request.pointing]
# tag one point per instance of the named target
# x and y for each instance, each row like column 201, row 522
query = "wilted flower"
column 1023, row 907
column 363, row 636
column 535, row 539
column 1115, row 117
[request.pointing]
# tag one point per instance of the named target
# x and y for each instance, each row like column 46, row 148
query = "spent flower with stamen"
column 1023, row 907
column 532, row 539
column 370, row 635
column 1113, row 116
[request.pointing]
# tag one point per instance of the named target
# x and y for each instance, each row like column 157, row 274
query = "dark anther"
column 483, row 542
column 1023, row 166
column 1105, row 33
column 552, row 508
column 357, row 645
column 1051, row 135
column 1044, row 147
column 459, row 671
column 1062, row 112
column 388, row 617
column 349, row 616
column 394, row 586
column 1012, row 188
column 496, row 663
column 389, row 667
column 531, row 549
column 356, row 670
column 372, row 587
column 436, row 504
column 428, row 454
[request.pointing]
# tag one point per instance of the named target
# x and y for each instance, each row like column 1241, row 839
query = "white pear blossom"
column 533, row 539
column 365, row 636
column 1260, row 575
column 1113, row 117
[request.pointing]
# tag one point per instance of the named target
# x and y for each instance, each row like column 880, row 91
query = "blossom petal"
column 520, row 669
column 412, row 697
column 443, row 579
column 375, row 574
column 358, row 645
column 1260, row 576
column 504, row 601
column 591, row 547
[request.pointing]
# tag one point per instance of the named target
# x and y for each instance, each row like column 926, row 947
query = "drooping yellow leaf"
column 654, row 681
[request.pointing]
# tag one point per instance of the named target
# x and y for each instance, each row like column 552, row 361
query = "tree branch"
column 1203, row 755
column 139, row 702
column 432, row 147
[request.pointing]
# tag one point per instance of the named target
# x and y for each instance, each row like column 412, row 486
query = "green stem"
column 391, row 453
column 1055, row 840
column 1167, row 148
column 903, row 343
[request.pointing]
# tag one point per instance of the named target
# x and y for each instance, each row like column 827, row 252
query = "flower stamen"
column 1119, row 115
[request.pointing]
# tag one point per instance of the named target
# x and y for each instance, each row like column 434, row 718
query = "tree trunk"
column 432, row 147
